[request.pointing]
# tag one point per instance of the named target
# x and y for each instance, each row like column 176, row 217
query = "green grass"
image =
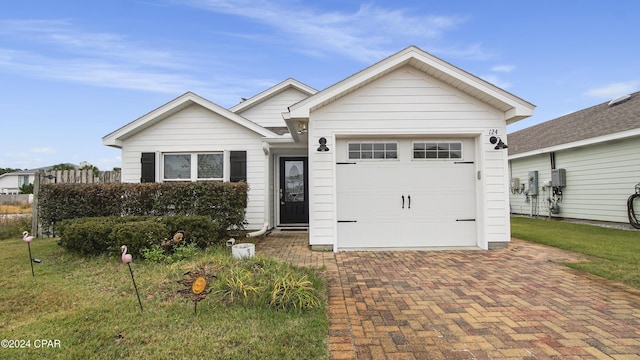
column 616, row 253
column 90, row 306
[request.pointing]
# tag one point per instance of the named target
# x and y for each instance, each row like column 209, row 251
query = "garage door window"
column 437, row 150
column 373, row 150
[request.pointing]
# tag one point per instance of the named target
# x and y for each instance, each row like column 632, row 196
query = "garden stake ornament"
column 196, row 283
column 27, row 239
column 126, row 258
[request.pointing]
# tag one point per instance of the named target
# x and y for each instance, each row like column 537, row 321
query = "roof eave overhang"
column 575, row 144
column 116, row 138
column 515, row 108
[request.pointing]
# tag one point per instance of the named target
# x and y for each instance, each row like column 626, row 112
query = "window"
column 192, row 167
column 371, row 150
column 437, row 150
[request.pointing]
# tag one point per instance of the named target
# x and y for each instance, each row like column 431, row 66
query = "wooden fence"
column 65, row 177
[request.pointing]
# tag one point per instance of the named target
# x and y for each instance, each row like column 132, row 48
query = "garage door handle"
column 403, row 201
column 465, row 219
column 409, row 197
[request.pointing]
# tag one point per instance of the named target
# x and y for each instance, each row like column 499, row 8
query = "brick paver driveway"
column 515, row 303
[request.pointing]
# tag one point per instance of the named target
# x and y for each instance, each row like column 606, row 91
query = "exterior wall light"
column 323, row 144
column 499, row 144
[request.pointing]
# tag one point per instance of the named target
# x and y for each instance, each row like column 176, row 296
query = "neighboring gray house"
column 398, row 155
column 586, row 163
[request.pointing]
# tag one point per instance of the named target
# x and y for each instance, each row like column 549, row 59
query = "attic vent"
column 619, row 100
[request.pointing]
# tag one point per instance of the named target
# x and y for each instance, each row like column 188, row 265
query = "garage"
column 406, row 193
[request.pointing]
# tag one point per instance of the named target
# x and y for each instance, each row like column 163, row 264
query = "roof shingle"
column 588, row 123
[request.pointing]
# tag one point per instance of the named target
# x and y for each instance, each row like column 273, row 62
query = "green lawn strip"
column 89, row 304
column 615, row 252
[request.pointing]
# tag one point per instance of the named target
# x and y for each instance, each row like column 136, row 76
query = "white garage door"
column 406, row 193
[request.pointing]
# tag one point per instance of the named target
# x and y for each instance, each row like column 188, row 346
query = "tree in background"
column 8, row 170
column 26, row 189
column 63, row 167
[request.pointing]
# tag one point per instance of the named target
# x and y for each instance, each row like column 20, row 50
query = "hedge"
column 99, row 235
column 222, row 202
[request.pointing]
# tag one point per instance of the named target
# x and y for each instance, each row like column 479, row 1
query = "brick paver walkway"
column 514, row 303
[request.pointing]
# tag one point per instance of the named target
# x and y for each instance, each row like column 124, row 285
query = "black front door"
column 294, row 195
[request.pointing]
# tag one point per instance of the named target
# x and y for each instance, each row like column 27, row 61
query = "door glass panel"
column 294, row 181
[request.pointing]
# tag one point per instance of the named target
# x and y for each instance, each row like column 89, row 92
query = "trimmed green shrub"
column 93, row 236
column 137, row 235
column 88, row 237
column 224, row 203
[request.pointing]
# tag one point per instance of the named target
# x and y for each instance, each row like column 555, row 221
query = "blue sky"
column 72, row 71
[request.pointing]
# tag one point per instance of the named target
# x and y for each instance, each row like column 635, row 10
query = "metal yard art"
column 196, row 286
column 28, row 239
column 127, row 258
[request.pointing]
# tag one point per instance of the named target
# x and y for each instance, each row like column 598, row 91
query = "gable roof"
column 187, row 99
column 591, row 125
column 514, row 107
column 289, row 83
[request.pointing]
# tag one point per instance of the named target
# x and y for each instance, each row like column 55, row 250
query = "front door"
column 293, row 193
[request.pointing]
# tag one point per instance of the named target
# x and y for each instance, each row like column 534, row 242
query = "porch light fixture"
column 500, row 145
column 302, row 128
column 323, row 144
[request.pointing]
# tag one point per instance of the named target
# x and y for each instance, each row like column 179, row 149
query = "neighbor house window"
column 373, row 150
column 437, row 150
column 192, row 167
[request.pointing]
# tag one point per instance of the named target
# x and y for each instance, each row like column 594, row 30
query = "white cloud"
column 495, row 80
column 614, row 90
column 503, row 68
column 366, row 34
column 99, row 59
column 45, row 150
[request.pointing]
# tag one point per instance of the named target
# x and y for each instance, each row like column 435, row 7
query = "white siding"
column 520, row 168
column 196, row 129
column 600, row 178
column 408, row 102
column 269, row 113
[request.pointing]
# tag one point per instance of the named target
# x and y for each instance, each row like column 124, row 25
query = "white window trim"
column 194, row 166
column 397, row 158
column 413, row 158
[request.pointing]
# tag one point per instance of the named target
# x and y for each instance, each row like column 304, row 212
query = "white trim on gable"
column 273, row 91
column 513, row 107
column 116, row 138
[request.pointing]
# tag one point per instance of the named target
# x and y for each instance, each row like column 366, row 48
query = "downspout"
column 259, row 232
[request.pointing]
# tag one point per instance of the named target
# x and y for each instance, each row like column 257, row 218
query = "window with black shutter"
column 148, row 167
column 238, row 166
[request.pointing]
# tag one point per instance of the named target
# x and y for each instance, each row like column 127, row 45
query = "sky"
column 72, row 71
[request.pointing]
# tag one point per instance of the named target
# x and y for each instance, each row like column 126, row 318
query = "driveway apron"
column 514, row 303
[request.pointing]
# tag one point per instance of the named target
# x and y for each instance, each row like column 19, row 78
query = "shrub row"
column 93, row 236
column 222, row 202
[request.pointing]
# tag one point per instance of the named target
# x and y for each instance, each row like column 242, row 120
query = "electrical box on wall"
column 515, row 183
column 558, row 177
column 533, row 183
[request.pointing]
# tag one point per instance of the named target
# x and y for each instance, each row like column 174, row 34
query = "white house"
column 583, row 165
column 398, row 155
column 10, row 183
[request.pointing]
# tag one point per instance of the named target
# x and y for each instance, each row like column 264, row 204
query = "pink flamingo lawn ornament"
column 28, row 239
column 126, row 258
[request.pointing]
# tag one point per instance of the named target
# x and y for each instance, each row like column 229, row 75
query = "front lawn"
column 87, row 308
column 616, row 252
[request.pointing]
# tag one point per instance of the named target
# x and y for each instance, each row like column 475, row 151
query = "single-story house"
column 10, row 183
column 583, row 165
column 403, row 154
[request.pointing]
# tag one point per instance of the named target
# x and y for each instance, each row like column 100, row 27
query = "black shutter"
column 238, row 160
column 148, row 170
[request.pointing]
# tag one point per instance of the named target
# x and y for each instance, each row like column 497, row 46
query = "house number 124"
column 493, row 131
